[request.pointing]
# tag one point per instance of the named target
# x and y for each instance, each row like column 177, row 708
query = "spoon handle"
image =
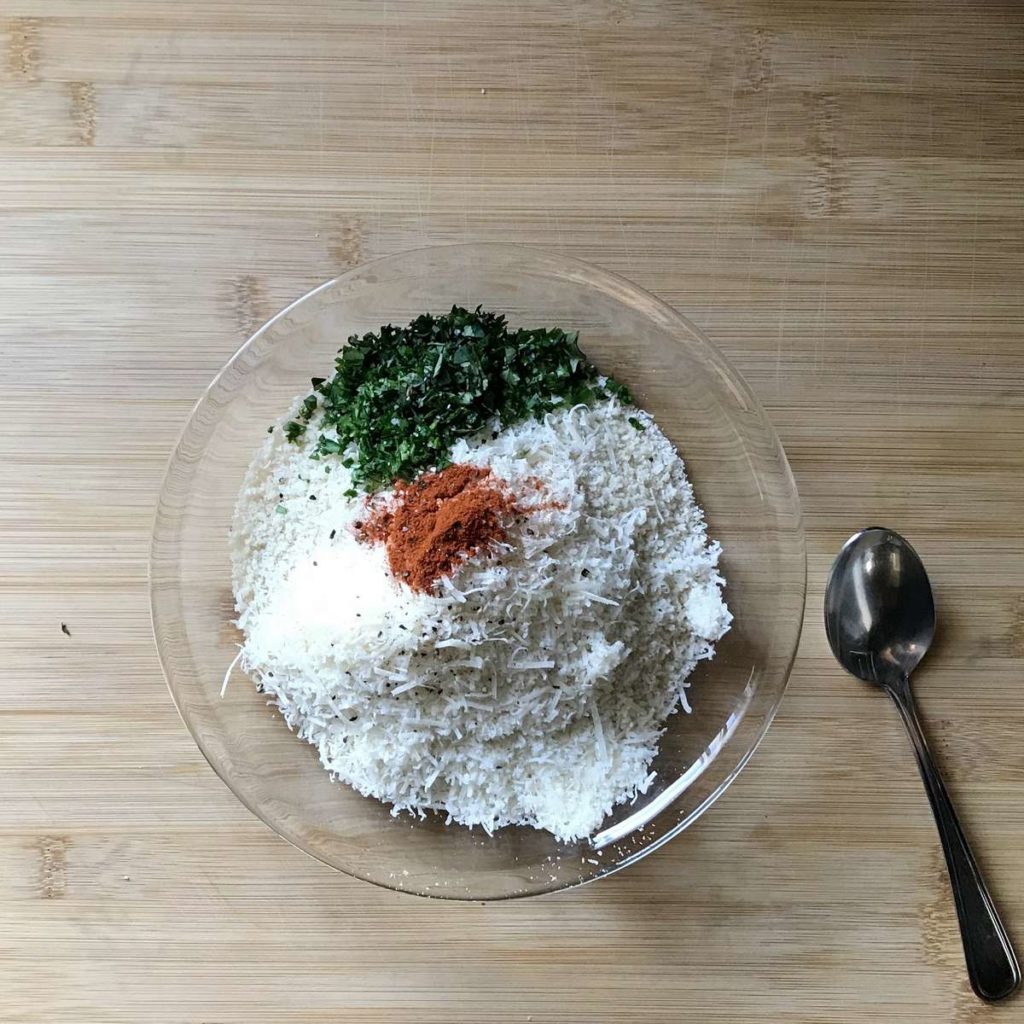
column 991, row 962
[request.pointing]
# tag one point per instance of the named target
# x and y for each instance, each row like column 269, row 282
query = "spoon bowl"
column 879, row 610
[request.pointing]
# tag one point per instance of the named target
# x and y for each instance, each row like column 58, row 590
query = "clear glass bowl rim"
column 668, row 317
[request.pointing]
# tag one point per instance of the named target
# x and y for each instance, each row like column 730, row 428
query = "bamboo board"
column 833, row 191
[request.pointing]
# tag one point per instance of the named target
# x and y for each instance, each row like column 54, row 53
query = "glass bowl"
column 733, row 458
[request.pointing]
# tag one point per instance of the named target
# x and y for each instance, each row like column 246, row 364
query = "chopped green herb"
column 636, row 424
column 281, row 509
column 308, row 408
column 270, row 430
column 403, row 395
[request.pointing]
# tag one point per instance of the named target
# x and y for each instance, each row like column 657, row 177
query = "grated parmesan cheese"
column 533, row 687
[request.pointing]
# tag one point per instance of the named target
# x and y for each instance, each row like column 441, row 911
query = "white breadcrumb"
column 534, row 686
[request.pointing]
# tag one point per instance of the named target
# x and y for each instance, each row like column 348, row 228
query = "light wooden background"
column 832, row 190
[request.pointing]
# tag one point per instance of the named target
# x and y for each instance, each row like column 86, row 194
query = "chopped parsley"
column 402, row 396
column 293, row 431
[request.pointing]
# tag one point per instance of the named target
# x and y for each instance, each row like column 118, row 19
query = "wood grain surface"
column 833, row 191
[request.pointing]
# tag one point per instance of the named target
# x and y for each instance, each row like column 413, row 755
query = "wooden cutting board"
column 833, row 191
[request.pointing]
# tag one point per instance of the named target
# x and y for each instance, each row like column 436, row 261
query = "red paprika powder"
column 432, row 525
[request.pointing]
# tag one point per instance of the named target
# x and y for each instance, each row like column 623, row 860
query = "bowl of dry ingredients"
column 478, row 572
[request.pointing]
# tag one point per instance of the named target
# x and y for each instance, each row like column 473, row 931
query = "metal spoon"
column 880, row 620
